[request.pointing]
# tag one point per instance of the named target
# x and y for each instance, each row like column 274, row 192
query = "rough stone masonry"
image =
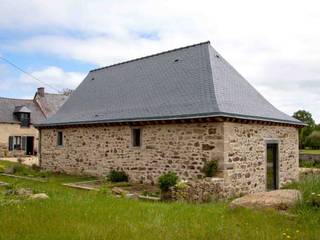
column 183, row 148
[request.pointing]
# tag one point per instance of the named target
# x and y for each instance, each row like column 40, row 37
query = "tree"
column 305, row 117
column 313, row 140
column 66, row 91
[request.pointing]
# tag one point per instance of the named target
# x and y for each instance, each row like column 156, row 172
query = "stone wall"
column 182, row 148
column 244, row 167
column 200, row 191
column 14, row 129
column 245, row 155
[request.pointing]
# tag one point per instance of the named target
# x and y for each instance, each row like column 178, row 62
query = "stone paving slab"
column 277, row 199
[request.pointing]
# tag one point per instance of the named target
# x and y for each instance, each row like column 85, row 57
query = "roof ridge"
column 152, row 55
column 20, row 99
column 59, row 94
column 213, row 88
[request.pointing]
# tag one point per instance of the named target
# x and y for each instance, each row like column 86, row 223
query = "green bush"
column 210, row 168
column 117, row 176
column 167, row 180
column 313, row 140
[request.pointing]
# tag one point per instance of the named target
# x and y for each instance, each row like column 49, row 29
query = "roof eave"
column 194, row 116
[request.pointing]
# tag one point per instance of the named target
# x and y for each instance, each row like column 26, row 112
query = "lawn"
column 309, row 151
column 78, row 214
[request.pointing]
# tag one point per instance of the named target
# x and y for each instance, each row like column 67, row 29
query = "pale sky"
column 275, row 45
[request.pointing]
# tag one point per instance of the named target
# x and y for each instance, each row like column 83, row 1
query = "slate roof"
column 41, row 107
column 21, row 109
column 189, row 82
column 8, row 106
column 50, row 103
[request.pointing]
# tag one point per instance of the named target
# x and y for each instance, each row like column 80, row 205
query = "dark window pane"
column 60, row 139
column 136, row 137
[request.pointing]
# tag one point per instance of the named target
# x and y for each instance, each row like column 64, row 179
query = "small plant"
column 19, row 168
column 35, row 167
column 44, row 174
column 182, row 185
column 210, row 168
column 167, row 180
column 117, row 176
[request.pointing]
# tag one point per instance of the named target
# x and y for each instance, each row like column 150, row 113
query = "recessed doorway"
column 272, row 166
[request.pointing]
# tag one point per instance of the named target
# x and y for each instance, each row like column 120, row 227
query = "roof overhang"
column 178, row 119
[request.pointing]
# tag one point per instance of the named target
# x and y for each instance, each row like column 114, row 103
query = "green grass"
column 309, row 151
column 79, row 214
column 307, row 164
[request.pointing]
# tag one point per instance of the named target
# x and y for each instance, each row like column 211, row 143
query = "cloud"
column 274, row 44
column 6, row 82
column 54, row 77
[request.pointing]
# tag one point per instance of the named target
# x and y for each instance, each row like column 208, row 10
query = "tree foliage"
column 66, row 91
column 305, row 117
column 313, row 140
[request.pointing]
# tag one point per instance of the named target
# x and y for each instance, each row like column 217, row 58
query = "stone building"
column 18, row 136
column 173, row 111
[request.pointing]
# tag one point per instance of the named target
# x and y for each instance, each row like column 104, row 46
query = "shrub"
column 313, row 140
column 210, row 168
column 117, row 176
column 167, row 180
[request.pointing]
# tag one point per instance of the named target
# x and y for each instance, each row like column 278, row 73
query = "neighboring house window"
column 17, row 143
column 136, row 137
column 60, row 138
column 24, row 118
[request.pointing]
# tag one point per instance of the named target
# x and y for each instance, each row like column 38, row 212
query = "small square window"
column 136, row 137
column 60, row 138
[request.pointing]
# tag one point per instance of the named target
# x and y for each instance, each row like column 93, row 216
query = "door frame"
column 267, row 142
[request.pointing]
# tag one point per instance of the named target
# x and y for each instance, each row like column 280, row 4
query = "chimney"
column 41, row 91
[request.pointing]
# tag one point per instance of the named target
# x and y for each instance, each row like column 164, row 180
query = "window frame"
column 133, row 137
column 60, row 138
